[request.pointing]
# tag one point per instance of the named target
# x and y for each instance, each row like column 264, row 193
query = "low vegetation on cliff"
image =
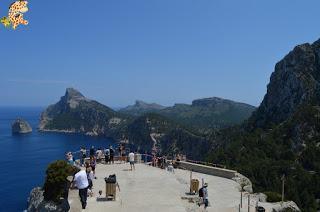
column 56, row 180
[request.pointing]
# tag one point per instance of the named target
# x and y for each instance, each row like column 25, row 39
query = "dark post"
column 249, row 203
column 241, row 199
column 282, row 196
column 190, row 181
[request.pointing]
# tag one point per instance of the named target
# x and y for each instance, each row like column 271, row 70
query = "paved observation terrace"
column 153, row 189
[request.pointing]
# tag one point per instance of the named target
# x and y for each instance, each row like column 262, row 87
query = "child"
column 90, row 180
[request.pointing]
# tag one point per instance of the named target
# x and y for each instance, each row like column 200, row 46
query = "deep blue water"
column 24, row 158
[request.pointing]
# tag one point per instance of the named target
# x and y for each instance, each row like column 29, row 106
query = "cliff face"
column 282, row 137
column 37, row 203
column 295, row 82
column 21, row 126
column 78, row 114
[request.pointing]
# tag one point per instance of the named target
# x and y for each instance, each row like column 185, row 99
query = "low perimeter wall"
column 225, row 173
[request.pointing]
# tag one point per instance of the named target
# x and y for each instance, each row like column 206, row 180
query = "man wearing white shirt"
column 81, row 181
column 131, row 160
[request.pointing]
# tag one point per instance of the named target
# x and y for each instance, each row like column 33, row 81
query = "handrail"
column 138, row 157
column 148, row 156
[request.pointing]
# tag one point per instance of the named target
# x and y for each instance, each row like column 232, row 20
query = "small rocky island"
column 21, row 126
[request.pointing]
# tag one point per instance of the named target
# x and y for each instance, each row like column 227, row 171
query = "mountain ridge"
column 212, row 112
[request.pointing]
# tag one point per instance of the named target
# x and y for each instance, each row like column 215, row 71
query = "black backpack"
column 111, row 179
column 201, row 192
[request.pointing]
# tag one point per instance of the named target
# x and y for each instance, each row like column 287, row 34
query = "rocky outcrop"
column 295, row 82
column 70, row 100
column 21, row 126
column 244, row 183
column 35, row 199
column 36, row 203
column 75, row 113
column 286, row 206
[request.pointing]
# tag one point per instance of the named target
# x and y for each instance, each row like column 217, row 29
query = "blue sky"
column 164, row 51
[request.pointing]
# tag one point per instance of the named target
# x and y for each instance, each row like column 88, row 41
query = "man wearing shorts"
column 131, row 160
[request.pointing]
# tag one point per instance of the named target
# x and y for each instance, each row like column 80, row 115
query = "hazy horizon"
column 164, row 52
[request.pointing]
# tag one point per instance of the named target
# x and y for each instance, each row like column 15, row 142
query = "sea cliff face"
column 75, row 113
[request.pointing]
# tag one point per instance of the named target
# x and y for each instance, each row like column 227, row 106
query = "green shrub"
column 56, row 179
column 273, row 196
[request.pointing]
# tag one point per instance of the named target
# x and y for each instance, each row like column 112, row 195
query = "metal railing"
column 139, row 158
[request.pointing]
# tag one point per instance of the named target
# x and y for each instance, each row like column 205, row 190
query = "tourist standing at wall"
column 111, row 154
column 92, row 151
column 123, row 153
column 93, row 163
column 120, row 152
column 81, row 181
column 99, row 155
column 107, row 155
column 83, row 155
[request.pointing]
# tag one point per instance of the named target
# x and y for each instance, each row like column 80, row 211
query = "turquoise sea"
column 24, row 158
